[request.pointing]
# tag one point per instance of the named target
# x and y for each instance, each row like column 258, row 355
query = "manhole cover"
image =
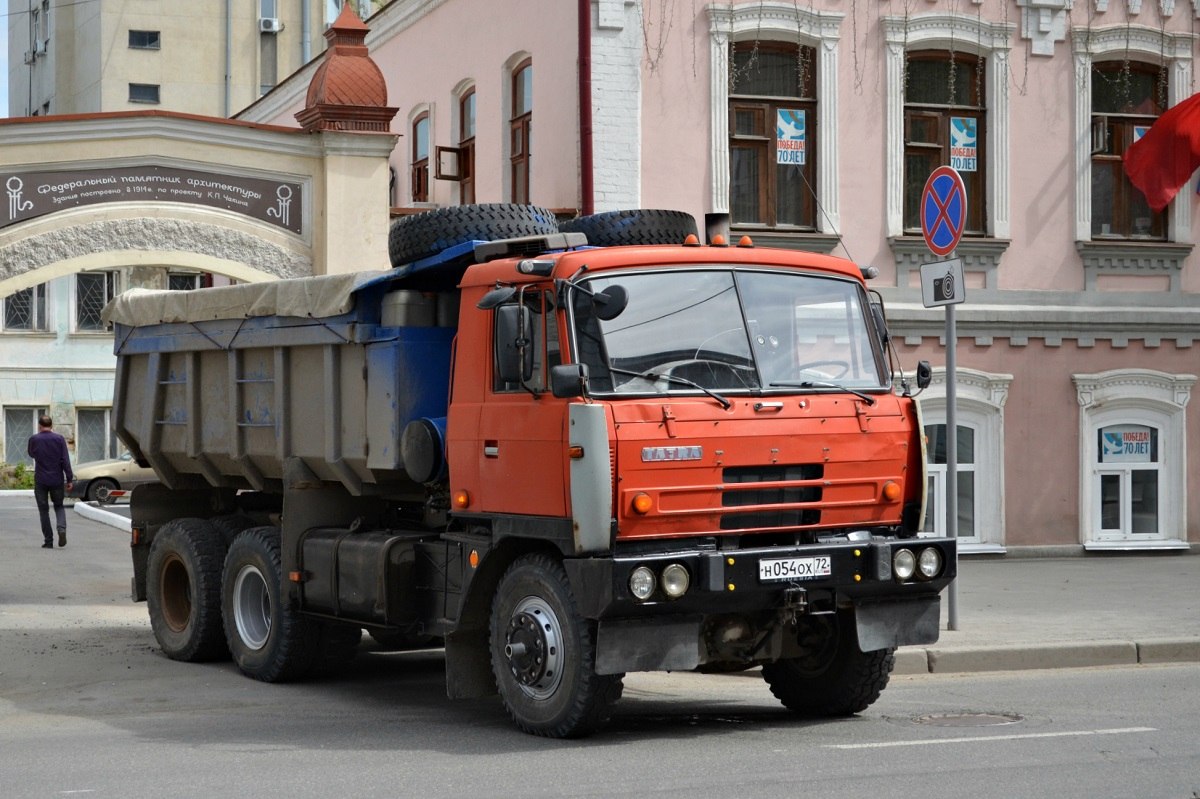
column 969, row 719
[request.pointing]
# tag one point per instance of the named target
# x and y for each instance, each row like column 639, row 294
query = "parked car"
column 96, row 480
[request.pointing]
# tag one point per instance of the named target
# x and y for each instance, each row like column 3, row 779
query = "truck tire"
column 229, row 526
column 835, row 678
column 269, row 640
column 543, row 653
column 418, row 236
column 183, row 591
column 641, row 226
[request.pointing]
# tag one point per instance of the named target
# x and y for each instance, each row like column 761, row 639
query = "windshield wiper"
column 726, row 404
column 867, row 398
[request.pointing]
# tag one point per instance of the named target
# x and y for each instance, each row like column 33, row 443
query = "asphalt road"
column 89, row 707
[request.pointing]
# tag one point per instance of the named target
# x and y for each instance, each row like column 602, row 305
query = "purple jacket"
column 51, row 461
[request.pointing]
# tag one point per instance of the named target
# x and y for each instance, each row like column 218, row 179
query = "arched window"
column 466, row 146
column 519, row 124
column 420, row 158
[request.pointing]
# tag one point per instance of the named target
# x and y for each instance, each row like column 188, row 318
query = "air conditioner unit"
column 30, row 55
column 269, row 25
column 40, row 47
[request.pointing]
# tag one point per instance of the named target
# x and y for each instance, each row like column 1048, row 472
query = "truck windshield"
column 728, row 331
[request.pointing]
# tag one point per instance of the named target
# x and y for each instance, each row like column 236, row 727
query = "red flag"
column 1163, row 160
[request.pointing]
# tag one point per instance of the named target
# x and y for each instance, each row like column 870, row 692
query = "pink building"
column 815, row 125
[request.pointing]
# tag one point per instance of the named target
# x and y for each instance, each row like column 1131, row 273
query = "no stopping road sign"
column 943, row 210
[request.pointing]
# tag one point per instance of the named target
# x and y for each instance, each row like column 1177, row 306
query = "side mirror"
column 496, row 296
column 514, row 344
column 610, row 302
column 568, row 380
column 924, row 374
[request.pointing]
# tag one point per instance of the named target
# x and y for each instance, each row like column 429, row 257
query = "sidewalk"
column 1037, row 613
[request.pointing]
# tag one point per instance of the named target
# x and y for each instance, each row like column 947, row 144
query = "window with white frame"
column 25, row 310
column 747, row 179
column 979, row 422
column 938, row 481
column 93, row 290
column 19, row 425
column 94, row 439
column 966, row 41
column 1133, row 470
column 1125, row 75
column 772, row 129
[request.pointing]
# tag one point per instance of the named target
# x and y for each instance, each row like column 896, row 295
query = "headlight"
column 930, row 563
column 675, row 580
column 904, row 564
column 641, row 582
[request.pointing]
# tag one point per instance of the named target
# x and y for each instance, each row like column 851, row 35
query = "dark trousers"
column 44, row 495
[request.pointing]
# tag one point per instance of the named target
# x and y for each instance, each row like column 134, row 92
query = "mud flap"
column 885, row 625
column 648, row 645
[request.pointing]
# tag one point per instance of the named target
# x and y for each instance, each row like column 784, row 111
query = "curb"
column 1021, row 657
column 104, row 517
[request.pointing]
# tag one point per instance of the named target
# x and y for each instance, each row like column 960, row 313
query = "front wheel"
column 100, row 490
column 269, row 641
column 833, row 677
column 543, row 653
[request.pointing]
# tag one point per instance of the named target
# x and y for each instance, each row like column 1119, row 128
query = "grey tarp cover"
column 323, row 296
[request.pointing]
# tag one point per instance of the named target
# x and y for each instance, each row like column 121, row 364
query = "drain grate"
column 969, row 719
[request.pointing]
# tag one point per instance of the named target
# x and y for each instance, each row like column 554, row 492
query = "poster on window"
column 1128, row 443
column 964, row 144
column 790, row 138
column 1139, row 131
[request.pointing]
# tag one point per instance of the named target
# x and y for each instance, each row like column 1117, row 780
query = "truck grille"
column 771, row 495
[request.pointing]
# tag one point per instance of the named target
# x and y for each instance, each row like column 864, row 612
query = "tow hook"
column 795, row 603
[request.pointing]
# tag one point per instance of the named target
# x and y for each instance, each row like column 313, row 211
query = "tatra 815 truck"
column 564, row 452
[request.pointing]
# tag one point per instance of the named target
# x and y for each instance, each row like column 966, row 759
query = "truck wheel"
column 834, row 678
column 418, row 236
column 641, row 226
column 229, row 526
column 543, row 653
column 269, row 641
column 183, row 590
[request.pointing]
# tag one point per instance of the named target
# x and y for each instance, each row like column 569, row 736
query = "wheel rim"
column 533, row 648
column 252, row 607
column 175, row 588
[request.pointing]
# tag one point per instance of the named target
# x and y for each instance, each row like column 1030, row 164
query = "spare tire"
column 639, row 226
column 412, row 238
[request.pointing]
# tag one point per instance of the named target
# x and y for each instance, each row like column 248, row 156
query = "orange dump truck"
column 564, row 452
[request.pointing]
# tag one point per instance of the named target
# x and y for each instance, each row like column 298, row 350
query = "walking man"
column 51, row 464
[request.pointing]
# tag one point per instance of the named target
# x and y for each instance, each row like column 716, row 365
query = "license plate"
column 795, row 568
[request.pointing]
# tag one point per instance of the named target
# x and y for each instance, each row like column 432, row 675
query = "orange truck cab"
column 649, row 456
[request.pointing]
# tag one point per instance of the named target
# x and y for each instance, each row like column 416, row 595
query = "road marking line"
column 888, row 744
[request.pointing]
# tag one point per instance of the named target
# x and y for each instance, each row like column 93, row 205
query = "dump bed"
column 221, row 386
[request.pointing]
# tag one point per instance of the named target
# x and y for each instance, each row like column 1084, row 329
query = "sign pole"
column 952, row 460
column 943, row 218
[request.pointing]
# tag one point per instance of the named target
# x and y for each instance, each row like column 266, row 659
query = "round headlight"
column 930, row 562
column 904, row 563
column 675, row 580
column 641, row 582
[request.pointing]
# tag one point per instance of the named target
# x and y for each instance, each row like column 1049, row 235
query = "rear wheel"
column 269, row 641
column 640, row 226
column 418, row 236
column 183, row 590
column 543, row 653
column 834, row 677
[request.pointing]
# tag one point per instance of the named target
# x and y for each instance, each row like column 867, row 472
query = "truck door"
column 522, row 459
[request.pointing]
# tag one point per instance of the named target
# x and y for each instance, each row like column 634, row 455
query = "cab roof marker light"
column 869, row 272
